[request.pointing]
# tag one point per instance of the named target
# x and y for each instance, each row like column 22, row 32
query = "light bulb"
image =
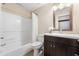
column 61, row 6
column 55, row 8
column 68, row 5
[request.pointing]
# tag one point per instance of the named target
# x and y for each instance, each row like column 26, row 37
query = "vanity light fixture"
column 61, row 6
column 55, row 8
column 68, row 5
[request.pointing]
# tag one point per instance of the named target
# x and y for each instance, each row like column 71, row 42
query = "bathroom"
column 25, row 27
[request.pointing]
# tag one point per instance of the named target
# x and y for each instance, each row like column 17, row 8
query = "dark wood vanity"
column 60, row 46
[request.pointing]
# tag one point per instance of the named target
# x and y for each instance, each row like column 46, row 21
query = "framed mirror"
column 62, row 19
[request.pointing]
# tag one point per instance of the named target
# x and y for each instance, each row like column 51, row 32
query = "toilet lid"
column 36, row 43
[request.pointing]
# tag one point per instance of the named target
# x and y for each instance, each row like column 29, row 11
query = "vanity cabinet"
column 49, row 46
column 59, row 46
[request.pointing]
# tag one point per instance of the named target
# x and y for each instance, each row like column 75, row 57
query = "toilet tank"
column 40, row 37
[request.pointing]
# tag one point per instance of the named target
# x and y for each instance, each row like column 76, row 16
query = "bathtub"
column 19, row 51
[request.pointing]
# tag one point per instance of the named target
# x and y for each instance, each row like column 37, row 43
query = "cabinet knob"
column 53, row 46
column 78, row 40
column 76, row 54
column 50, row 45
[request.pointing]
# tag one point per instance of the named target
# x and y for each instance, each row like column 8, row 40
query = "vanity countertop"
column 73, row 36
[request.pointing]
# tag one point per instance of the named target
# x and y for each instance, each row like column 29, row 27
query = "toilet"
column 37, row 45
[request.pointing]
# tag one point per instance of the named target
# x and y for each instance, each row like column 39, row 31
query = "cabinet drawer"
column 66, row 41
column 48, row 38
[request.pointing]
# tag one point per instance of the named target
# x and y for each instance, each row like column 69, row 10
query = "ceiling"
column 32, row 6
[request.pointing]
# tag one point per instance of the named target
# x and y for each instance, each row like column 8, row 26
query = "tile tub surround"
column 73, row 36
column 15, row 31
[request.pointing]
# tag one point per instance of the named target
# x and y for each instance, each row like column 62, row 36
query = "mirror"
column 62, row 19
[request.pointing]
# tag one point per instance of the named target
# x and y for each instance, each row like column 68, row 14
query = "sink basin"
column 73, row 36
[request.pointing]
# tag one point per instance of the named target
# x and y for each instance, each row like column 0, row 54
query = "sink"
column 73, row 36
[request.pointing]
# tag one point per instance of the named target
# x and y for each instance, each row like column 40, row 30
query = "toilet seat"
column 36, row 45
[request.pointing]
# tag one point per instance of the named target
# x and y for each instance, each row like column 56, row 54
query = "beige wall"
column 76, row 18
column 45, row 16
column 0, row 6
column 16, row 9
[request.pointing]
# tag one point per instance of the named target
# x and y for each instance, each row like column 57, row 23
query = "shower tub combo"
column 15, row 34
column 19, row 51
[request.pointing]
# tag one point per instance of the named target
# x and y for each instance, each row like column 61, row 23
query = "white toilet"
column 37, row 45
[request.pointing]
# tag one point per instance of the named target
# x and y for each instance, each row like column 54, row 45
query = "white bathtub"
column 19, row 51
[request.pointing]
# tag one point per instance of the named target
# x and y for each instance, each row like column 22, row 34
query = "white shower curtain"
column 15, row 31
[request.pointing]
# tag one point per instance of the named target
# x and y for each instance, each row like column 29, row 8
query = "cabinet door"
column 77, row 48
column 52, row 49
column 60, row 49
column 70, row 47
column 48, row 46
column 70, row 51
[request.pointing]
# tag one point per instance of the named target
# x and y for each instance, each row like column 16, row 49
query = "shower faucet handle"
column 2, row 37
column 4, row 44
